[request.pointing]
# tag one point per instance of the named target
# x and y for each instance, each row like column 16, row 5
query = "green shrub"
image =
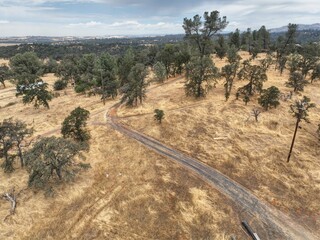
column 81, row 88
column 59, row 85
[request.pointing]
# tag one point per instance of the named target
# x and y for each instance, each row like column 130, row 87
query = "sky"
column 144, row 17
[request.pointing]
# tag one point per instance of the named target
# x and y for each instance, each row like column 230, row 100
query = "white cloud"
column 87, row 24
column 123, row 17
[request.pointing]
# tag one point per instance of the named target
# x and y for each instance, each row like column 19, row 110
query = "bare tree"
column 256, row 112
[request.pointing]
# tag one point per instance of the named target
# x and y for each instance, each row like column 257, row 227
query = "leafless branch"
column 11, row 197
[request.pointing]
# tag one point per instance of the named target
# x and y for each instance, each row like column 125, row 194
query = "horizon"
column 81, row 18
column 134, row 35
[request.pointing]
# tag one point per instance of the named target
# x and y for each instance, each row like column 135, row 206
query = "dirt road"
column 277, row 225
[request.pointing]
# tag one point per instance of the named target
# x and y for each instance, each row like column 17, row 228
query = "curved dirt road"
column 277, row 225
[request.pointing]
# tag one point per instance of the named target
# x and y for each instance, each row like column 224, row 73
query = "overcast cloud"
column 144, row 17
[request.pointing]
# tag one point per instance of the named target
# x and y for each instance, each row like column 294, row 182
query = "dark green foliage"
column 256, row 75
column 114, row 46
column 249, row 40
column 159, row 72
column 232, row 55
column 68, row 70
column 181, row 58
column 266, row 62
column 221, row 47
column 59, row 85
column 135, row 89
column 234, row 39
column 229, row 72
column 125, row 63
column 201, row 73
column 74, row 126
column 12, row 134
column 264, row 38
column 4, row 74
column 36, row 93
column 167, row 57
column 81, row 88
column 310, row 56
column 106, row 77
column 20, row 132
column 285, row 46
column 52, row 160
column 294, row 62
column 84, row 70
column 300, row 108
column 158, row 115
column 199, row 32
column 297, row 82
column 147, row 55
column 269, row 97
column 246, row 99
column 7, row 143
column 26, row 68
column 50, row 66
column 315, row 73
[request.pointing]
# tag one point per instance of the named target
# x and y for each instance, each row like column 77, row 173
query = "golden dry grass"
column 4, row 61
column 225, row 136
column 129, row 193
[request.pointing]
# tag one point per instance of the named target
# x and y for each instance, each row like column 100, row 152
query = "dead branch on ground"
column 11, row 197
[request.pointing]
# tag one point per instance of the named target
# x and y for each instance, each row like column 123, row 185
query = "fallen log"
column 10, row 196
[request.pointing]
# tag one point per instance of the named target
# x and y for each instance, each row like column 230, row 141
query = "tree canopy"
column 200, row 32
column 74, row 126
column 135, row 90
column 4, row 74
column 269, row 97
column 26, row 68
column 51, row 160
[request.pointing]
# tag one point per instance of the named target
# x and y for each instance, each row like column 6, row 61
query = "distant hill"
column 301, row 27
column 306, row 33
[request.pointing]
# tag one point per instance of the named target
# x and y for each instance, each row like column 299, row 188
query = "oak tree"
column 74, row 126
column 52, row 160
column 269, row 97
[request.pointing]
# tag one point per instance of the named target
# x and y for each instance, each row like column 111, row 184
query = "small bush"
column 158, row 115
column 59, row 85
column 81, row 88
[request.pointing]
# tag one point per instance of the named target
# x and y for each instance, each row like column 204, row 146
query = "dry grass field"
column 132, row 193
column 129, row 192
column 225, row 136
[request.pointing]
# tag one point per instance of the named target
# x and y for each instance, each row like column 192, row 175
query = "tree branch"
column 10, row 196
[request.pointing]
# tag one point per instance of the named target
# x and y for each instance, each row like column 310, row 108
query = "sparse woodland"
column 241, row 103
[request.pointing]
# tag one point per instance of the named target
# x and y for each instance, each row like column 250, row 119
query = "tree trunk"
column 20, row 156
column 293, row 139
column 58, row 171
